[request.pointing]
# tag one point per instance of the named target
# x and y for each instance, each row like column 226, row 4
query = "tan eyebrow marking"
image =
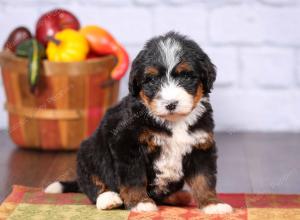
column 183, row 67
column 151, row 70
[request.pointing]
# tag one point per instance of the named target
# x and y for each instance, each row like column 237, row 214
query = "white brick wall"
column 187, row 20
column 225, row 59
column 255, row 45
column 267, row 67
column 298, row 67
column 256, row 23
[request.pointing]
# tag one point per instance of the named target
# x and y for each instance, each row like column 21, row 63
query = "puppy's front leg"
column 201, row 177
column 131, row 171
column 136, row 198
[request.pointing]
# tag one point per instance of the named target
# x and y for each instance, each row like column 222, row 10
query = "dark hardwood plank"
column 31, row 167
column 63, row 167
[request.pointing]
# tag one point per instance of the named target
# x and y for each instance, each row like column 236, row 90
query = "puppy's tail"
column 62, row 187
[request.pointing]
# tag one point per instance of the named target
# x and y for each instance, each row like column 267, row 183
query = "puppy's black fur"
column 121, row 154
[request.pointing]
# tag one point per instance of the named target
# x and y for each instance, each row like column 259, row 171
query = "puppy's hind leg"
column 100, row 193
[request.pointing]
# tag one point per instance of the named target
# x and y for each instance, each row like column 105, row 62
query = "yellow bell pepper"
column 67, row 46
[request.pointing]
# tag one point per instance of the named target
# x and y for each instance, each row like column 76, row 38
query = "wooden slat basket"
column 67, row 105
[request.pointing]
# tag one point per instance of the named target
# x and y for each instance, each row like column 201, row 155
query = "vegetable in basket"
column 67, row 46
column 17, row 36
column 103, row 43
column 34, row 51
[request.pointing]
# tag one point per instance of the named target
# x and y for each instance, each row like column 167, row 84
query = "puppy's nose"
column 172, row 105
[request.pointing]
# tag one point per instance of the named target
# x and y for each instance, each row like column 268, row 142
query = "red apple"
column 54, row 21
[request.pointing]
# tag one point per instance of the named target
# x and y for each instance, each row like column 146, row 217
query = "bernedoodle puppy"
column 157, row 138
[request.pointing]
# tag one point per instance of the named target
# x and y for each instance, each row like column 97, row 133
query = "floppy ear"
column 208, row 73
column 134, row 85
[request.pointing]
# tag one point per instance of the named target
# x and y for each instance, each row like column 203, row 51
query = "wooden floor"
column 248, row 162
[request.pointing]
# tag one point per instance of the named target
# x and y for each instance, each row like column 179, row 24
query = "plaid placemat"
column 31, row 203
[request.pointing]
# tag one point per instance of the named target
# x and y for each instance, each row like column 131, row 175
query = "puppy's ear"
column 134, row 84
column 208, row 73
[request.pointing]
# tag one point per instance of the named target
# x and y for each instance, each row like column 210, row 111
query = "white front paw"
column 108, row 200
column 145, row 207
column 219, row 208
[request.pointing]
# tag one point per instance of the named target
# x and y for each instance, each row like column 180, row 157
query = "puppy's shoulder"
column 125, row 109
column 123, row 116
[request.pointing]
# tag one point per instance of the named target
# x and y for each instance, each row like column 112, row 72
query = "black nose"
column 171, row 106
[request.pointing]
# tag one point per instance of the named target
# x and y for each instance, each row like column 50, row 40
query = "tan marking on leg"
column 99, row 184
column 134, row 195
column 202, row 193
column 180, row 198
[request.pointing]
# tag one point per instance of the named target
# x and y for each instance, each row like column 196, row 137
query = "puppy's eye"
column 184, row 74
column 149, row 79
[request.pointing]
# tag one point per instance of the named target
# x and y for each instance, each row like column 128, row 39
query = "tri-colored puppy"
column 157, row 138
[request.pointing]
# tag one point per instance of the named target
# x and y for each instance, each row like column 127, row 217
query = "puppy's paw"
column 219, row 208
column 108, row 200
column 145, row 207
column 55, row 187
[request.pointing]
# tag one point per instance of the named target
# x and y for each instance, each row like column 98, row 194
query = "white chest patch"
column 173, row 149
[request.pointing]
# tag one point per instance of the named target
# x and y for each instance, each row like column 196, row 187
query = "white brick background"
column 255, row 45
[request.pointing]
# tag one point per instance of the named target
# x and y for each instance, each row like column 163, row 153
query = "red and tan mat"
column 32, row 203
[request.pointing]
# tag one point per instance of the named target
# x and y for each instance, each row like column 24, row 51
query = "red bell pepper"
column 103, row 43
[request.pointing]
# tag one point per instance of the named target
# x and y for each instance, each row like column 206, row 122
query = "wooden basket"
column 67, row 105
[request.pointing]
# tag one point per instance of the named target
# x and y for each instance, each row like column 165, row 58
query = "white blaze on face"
column 170, row 91
column 170, row 51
